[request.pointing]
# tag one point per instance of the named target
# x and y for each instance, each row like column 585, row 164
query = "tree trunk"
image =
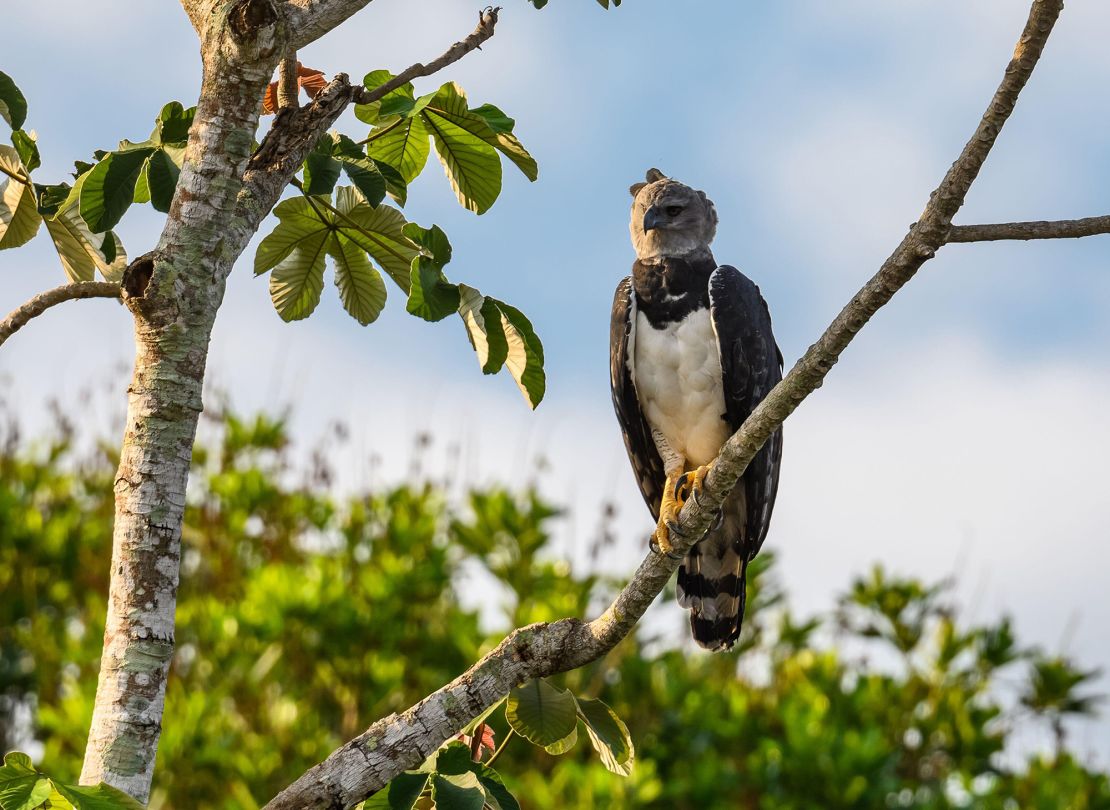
column 174, row 294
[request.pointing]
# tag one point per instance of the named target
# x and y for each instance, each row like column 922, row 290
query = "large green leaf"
column 370, row 113
column 360, row 284
column 541, row 713
column 297, row 280
column 486, row 122
column 470, row 163
column 609, row 735
column 402, row 145
column 13, row 106
column 457, row 792
column 80, row 250
column 109, row 188
column 562, row 746
column 321, row 173
column 298, row 221
column 400, row 794
column 378, row 231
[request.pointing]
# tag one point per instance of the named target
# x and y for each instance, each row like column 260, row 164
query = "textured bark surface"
column 399, row 742
column 174, row 294
column 1055, row 229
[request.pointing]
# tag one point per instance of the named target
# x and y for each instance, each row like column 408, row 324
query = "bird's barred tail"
column 711, row 586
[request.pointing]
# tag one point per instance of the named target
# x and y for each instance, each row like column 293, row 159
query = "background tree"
column 295, row 626
column 224, row 189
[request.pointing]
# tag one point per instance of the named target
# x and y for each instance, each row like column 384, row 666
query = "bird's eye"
column 673, row 210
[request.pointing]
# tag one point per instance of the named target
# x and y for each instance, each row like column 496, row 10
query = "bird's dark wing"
column 646, row 463
column 751, row 365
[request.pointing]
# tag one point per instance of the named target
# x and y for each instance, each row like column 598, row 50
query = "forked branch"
column 396, row 743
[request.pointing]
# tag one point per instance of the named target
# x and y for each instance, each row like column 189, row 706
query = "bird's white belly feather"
column 678, row 383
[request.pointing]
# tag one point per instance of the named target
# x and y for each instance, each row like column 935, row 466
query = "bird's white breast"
column 677, row 373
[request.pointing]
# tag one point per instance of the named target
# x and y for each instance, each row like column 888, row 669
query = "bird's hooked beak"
column 651, row 219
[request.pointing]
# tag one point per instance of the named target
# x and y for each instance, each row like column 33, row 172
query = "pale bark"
column 1053, row 229
column 19, row 317
column 174, row 293
column 399, row 742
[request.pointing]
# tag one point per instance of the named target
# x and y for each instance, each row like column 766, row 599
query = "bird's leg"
column 690, row 484
column 669, row 508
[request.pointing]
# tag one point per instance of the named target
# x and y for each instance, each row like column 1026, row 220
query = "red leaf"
column 311, row 80
column 270, row 99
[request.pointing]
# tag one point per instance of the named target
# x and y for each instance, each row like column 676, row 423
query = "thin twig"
column 19, row 317
column 1041, row 229
column 487, row 20
column 24, row 180
column 397, row 742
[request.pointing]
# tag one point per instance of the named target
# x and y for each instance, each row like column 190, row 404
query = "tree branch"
column 311, row 19
column 1054, row 229
column 289, row 88
column 19, row 317
column 395, row 743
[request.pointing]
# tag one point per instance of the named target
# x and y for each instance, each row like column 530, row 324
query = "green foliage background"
column 304, row 616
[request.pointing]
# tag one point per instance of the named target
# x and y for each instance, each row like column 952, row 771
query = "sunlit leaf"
column 470, row 163
column 24, row 143
column 403, row 145
column 297, row 280
column 21, row 786
column 378, row 231
column 173, row 124
column 19, row 214
column 541, row 713
column 562, row 746
column 609, row 735
column 98, row 797
column 360, row 284
column 80, row 250
column 457, row 792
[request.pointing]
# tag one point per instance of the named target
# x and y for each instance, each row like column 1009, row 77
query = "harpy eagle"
column 691, row 355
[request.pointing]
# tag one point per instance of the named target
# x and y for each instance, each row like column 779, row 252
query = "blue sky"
column 964, row 433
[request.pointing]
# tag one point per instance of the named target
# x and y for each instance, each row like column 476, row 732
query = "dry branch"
column 19, row 317
column 398, row 742
column 1054, row 229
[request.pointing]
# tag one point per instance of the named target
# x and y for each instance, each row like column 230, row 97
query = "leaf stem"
column 24, row 180
column 373, row 136
column 500, row 748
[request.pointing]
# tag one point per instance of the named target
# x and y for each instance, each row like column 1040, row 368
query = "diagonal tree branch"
column 1054, row 229
column 395, row 743
column 19, row 317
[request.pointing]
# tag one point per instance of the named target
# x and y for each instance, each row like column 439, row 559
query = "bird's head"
column 669, row 218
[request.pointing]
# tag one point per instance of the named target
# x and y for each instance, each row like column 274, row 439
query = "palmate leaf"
column 541, row 713
column 486, row 122
column 307, row 231
column 21, row 786
column 471, row 164
column 431, row 296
